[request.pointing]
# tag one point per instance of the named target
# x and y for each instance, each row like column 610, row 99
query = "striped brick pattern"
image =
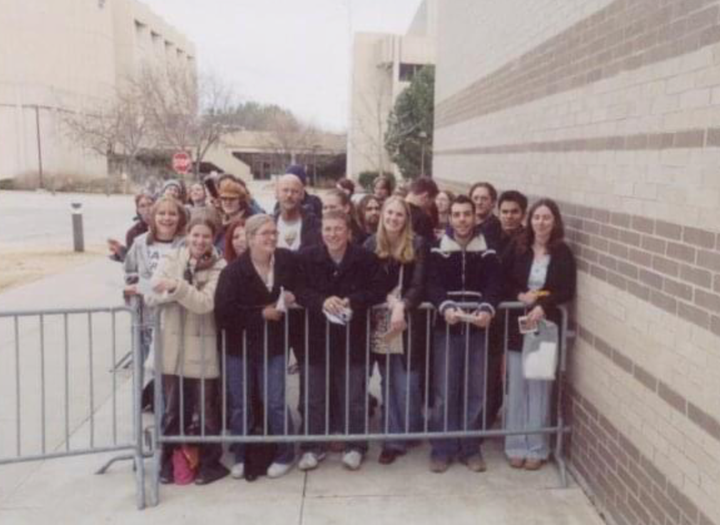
column 623, row 482
column 673, row 399
column 624, row 36
column 689, row 138
column 673, row 267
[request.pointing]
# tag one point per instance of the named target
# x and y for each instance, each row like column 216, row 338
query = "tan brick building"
column 611, row 107
column 59, row 56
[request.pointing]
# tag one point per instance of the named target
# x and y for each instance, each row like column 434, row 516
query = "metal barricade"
column 317, row 388
column 61, row 391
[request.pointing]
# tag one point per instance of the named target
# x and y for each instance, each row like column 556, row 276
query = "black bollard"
column 77, row 223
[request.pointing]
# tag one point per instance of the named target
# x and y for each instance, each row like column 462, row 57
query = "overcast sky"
column 294, row 53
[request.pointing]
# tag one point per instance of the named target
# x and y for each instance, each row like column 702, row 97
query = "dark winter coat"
column 358, row 278
column 241, row 297
column 463, row 274
column 422, row 223
column 560, row 283
column 492, row 231
column 412, row 292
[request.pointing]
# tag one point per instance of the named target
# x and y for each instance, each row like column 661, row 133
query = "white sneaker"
column 310, row 460
column 352, row 459
column 238, row 471
column 277, row 470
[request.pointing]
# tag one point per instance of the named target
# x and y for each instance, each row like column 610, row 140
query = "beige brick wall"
column 612, row 108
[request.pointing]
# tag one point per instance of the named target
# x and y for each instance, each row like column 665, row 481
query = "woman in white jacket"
column 184, row 285
column 166, row 232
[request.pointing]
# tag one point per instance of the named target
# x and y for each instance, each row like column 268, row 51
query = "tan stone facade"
column 56, row 57
column 382, row 67
column 611, row 107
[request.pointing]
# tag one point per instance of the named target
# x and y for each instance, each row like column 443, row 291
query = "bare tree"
column 289, row 139
column 115, row 128
column 187, row 113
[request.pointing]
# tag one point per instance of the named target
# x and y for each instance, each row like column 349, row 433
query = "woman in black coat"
column 248, row 305
column 402, row 257
column 541, row 273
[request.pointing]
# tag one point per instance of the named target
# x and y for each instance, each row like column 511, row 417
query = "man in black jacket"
column 339, row 283
column 484, row 196
column 462, row 269
column 512, row 207
column 297, row 227
column 310, row 203
column 421, row 195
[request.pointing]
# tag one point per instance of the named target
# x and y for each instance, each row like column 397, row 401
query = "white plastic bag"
column 540, row 352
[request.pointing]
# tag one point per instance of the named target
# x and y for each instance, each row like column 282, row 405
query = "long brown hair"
column 404, row 252
column 557, row 235
column 361, row 208
column 230, row 253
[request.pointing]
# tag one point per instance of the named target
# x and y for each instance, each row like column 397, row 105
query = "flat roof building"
column 383, row 65
column 57, row 57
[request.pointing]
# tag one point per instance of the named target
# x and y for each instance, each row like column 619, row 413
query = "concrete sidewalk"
column 66, row 490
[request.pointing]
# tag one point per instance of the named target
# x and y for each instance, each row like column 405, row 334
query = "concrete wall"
column 611, row 108
column 56, row 57
column 376, row 82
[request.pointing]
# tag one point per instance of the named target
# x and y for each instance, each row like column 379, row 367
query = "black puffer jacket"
column 463, row 274
column 240, row 298
column 358, row 278
column 560, row 284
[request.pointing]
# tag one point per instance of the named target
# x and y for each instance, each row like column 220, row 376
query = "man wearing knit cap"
column 175, row 189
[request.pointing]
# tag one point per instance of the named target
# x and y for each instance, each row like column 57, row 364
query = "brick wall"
column 611, row 107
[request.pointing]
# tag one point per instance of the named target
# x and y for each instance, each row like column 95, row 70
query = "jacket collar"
column 448, row 244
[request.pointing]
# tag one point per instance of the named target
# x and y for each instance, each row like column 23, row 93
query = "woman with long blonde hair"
column 398, row 337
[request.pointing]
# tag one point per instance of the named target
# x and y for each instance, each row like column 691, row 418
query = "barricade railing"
column 61, row 391
column 329, row 399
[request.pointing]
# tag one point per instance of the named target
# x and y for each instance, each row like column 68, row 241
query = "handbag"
column 540, row 352
column 382, row 340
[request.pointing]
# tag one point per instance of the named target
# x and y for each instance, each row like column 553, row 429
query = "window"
column 408, row 71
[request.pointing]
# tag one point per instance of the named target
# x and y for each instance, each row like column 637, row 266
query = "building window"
column 408, row 71
column 140, row 29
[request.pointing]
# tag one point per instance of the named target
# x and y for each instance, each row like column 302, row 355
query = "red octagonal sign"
column 181, row 163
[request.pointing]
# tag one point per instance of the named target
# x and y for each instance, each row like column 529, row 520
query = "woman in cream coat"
column 184, row 285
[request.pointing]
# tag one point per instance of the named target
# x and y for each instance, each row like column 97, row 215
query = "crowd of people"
column 224, row 276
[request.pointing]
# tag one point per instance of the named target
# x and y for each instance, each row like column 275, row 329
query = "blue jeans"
column 458, row 360
column 240, row 399
column 528, row 407
column 400, row 389
column 321, row 390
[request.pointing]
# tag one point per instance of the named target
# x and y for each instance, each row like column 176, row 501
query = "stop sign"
column 181, row 163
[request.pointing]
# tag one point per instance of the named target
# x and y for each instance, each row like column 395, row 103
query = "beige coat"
column 188, row 336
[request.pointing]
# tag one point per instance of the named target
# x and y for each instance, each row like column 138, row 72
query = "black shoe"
column 166, row 473
column 208, row 475
column 388, row 456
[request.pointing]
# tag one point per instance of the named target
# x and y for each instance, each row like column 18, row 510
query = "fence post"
column 138, row 363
